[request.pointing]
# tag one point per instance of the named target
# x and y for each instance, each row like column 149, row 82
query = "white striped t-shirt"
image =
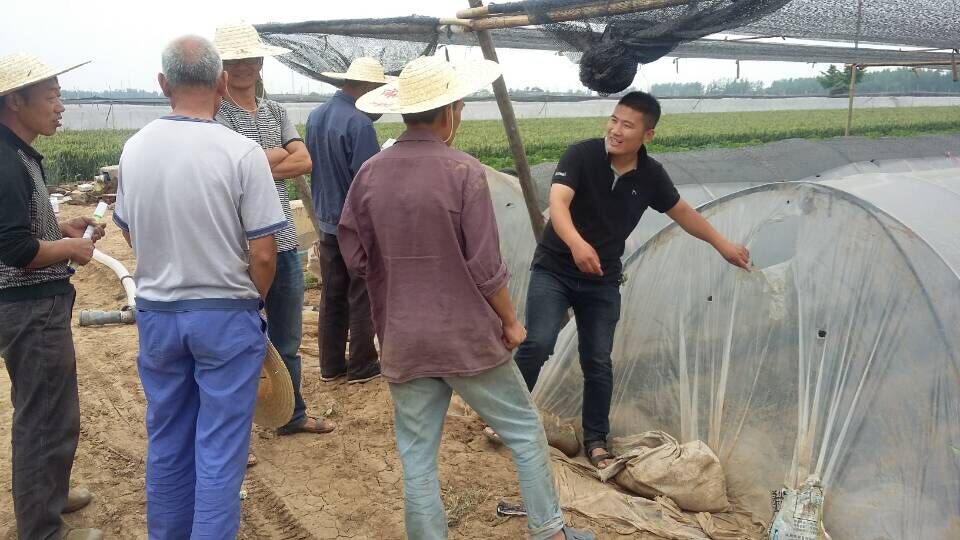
column 270, row 127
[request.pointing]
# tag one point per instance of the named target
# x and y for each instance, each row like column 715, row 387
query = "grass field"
column 76, row 155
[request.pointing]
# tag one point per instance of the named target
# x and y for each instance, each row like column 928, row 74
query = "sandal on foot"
column 318, row 425
column 597, row 459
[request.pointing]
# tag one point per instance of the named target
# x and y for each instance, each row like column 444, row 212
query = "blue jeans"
column 200, row 371
column 596, row 307
column 284, row 307
column 498, row 396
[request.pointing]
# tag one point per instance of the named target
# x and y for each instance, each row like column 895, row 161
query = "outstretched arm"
column 692, row 222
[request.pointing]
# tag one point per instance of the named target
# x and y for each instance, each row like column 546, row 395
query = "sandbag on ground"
column 581, row 492
column 654, row 464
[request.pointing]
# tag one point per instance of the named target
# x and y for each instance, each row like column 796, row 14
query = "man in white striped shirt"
column 268, row 123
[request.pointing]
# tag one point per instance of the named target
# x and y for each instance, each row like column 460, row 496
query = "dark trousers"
column 284, row 307
column 344, row 306
column 37, row 344
column 596, row 308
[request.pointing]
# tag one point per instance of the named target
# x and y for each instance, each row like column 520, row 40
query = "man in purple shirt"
column 418, row 226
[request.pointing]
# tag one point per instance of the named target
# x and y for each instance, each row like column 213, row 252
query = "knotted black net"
column 611, row 45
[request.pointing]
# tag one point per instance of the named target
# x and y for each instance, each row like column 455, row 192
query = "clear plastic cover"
column 837, row 356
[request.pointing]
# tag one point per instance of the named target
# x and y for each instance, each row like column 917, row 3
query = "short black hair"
column 24, row 93
column 645, row 104
column 425, row 117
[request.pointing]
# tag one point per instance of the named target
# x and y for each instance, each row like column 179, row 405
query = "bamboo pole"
column 445, row 21
column 513, row 134
column 473, row 13
column 500, row 8
column 585, row 11
column 853, row 84
column 853, row 71
column 303, row 189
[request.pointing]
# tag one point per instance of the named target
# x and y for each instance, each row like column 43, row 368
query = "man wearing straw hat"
column 418, row 226
column 36, row 304
column 198, row 204
column 267, row 122
column 341, row 139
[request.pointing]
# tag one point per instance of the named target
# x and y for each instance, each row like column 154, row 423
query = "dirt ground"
column 346, row 484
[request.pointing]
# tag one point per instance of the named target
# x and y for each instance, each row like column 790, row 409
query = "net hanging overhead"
column 610, row 46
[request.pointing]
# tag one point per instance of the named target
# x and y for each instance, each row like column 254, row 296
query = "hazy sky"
column 124, row 40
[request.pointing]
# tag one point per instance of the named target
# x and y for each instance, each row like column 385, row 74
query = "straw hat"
column 362, row 69
column 21, row 70
column 429, row 82
column 239, row 41
column 275, row 394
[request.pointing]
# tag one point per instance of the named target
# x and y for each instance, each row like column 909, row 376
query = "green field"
column 75, row 155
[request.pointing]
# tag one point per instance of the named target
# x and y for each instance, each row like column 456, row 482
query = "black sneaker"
column 364, row 377
column 331, row 378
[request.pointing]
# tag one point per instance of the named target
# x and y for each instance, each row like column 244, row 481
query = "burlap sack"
column 313, row 262
column 654, row 464
column 561, row 434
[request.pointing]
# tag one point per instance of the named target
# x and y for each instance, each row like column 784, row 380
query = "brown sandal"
column 317, row 425
column 597, row 459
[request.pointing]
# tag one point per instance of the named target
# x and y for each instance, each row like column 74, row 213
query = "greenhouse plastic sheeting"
column 516, row 235
column 837, row 356
column 517, row 243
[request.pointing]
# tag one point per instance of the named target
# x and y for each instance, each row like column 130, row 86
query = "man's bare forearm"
column 501, row 303
column 50, row 253
column 263, row 263
column 695, row 224
column 292, row 166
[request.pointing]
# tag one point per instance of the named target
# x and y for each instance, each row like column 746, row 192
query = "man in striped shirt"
column 267, row 123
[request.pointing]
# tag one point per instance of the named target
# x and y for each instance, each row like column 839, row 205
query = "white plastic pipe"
column 121, row 271
column 98, row 214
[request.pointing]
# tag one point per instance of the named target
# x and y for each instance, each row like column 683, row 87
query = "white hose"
column 121, row 271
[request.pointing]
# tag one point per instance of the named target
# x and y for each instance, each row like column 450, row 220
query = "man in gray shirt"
column 198, row 204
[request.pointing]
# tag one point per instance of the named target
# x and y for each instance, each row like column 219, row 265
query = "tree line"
column 832, row 82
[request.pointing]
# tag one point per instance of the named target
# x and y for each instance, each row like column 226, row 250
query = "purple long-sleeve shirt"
column 418, row 225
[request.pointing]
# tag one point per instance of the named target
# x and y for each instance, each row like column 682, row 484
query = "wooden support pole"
column 303, row 189
column 853, row 70
column 473, row 13
column 853, row 84
column 585, row 11
column 500, row 8
column 513, row 134
column 956, row 72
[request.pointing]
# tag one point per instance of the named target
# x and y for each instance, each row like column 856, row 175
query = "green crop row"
column 76, row 155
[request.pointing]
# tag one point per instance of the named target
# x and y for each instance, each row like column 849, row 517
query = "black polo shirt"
column 605, row 209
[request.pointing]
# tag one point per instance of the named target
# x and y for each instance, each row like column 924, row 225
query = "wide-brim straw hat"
column 22, row 70
column 239, row 41
column 362, row 69
column 275, row 393
column 427, row 83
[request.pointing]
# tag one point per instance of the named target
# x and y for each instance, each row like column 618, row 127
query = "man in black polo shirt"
column 36, row 304
column 600, row 190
